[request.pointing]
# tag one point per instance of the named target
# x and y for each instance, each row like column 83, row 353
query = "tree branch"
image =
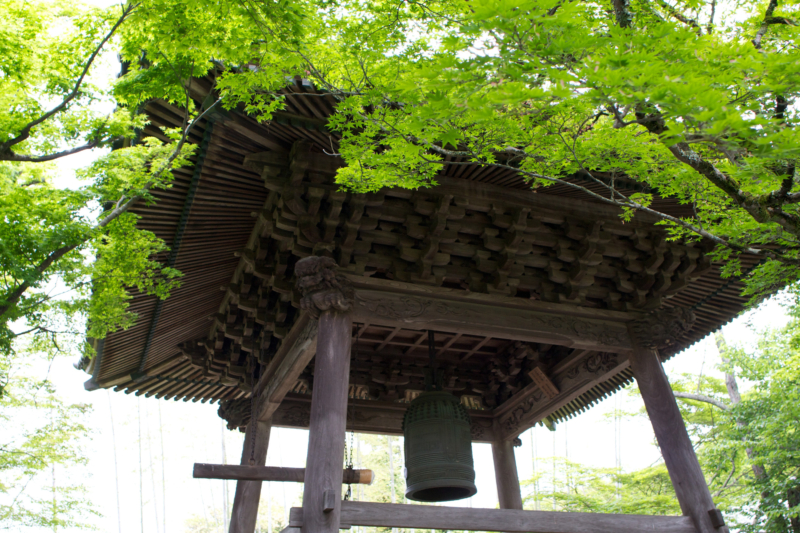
column 12, row 298
column 622, row 13
column 764, row 24
column 677, row 15
column 5, row 148
column 701, row 398
column 11, row 156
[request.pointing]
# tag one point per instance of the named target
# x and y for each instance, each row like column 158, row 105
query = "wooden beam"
column 505, row 475
column 248, row 493
column 471, row 318
column 676, row 447
column 272, row 473
column 510, row 520
column 294, row 354
column 531, row 404
column 369, row 416
column 494, row 300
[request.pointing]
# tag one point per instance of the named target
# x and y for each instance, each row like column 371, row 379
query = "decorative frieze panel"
column 532, row 404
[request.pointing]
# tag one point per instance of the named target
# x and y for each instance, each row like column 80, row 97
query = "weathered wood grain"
column 578, row 375
column 416, row 312
column 508, row 520
column 272, row 473
column 248, row 493
column 673, row 440
column 505, row 475
column 281, row 374
column 327, row 422
column 495, row 300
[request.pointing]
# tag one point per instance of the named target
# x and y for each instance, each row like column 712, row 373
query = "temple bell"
column 438, row 445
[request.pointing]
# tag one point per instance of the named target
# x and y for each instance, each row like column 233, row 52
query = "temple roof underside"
column 529, row 292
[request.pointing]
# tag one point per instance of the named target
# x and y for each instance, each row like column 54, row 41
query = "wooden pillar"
column 505, row 475
column 660, row 329
column 248, row 493
column 328, row 298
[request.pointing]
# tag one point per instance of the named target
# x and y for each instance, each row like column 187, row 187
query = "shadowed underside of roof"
column 208, row 215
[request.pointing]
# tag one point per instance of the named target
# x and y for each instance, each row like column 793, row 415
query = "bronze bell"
column 438, row 447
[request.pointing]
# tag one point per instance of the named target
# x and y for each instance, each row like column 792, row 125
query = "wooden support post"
column 248, row 493
column 505, row 475
column 658, row 330
column 329, row 298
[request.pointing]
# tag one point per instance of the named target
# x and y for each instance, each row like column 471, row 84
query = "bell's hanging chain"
column 253, row 423
column 348, row 451
column 348, row 459
column 434, row 385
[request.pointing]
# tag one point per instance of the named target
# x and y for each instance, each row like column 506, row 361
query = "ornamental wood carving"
column 387, row 419
column 662, row 328
column 532, row 404
column 323, row 289
column 475, row 239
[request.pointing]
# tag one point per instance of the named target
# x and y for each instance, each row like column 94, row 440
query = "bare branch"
column 701, row 398
column 764, row 24
column 11, row 156
column 677, row 15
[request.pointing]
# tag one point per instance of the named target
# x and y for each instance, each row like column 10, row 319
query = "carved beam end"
column 662, row 328
column 322, row 287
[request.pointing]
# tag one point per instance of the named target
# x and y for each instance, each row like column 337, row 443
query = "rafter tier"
column 530, row 292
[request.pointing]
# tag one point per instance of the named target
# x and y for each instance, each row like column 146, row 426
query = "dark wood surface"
column 272, row 473
column 505, row 475
column 282, row 373
column 507, row 520
column 326, row 435
column 366, row 416
column 248, row 493
column 417, row 312
column 673, row 440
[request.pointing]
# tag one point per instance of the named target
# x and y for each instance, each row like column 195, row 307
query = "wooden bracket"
column 717, row 520
column 328, row 501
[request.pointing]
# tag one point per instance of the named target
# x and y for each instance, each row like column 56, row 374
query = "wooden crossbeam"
column 495, row 317
column 272, row 473
column 294, row 354
column 507, row 520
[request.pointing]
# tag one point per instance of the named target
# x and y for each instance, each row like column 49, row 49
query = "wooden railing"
column 506, row 520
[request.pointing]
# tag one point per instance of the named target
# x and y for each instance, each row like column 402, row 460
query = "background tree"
column 748, row 444
column 38, row 455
